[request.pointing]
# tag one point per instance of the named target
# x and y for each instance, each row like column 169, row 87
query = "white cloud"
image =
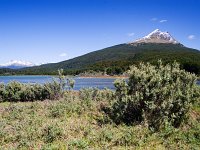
column 191, row 37
column 162, row 21
column 130, row 34
column 154, row 19
column 63, row 55
column 158, row 20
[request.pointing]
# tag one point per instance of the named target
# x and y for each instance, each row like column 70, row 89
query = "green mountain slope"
column 117, row 58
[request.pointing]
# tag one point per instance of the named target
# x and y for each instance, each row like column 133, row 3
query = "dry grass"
column 71, row 123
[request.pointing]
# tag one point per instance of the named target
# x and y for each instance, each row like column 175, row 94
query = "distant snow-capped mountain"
column 16, row 64
column 157, row 36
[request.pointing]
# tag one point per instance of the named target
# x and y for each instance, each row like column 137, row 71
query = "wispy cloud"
column 158, row 20
column 130, row 34
column 154, row 19
column 191, row 37
column 63, row 55
column 162, row 21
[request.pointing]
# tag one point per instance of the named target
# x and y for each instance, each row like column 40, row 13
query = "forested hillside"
column 117, row 59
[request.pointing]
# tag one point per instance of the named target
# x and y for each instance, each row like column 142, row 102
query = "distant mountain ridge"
column 117, row 59
column 16, row 64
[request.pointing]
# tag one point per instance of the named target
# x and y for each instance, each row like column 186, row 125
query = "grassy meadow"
column 74, row 123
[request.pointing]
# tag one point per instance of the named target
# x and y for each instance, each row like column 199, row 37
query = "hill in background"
column 118, row 58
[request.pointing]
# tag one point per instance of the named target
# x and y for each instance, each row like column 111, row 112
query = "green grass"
column 74, row 123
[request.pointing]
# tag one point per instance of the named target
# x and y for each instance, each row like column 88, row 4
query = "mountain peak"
column 156, row 30
column 157, row 36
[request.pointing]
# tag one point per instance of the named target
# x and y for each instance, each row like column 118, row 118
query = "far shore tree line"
column 110, row 68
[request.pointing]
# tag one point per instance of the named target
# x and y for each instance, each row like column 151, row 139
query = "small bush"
column 154, row 95
column 13, row 91
column 79, row 144
column 27, row 93
column 106, row 135
column 2, row 91
column 57, row 110
column 95, row 94
column 50, row 133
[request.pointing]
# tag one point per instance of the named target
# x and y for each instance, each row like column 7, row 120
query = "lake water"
column 79, row 82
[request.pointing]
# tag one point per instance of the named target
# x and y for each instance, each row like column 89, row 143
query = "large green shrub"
column 155, row 95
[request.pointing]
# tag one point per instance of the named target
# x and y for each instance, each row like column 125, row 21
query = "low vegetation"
column 158, row 108
column 16, row 91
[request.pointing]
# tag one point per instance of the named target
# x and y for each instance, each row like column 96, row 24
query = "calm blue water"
column 79, row 82
column 26, row 79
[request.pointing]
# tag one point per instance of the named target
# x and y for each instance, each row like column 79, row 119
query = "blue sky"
column 42, row 31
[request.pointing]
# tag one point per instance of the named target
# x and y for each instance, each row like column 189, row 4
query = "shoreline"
column 70, row 76
column 109, row 77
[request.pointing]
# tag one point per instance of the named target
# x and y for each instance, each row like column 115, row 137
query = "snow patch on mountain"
column 157, row 36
